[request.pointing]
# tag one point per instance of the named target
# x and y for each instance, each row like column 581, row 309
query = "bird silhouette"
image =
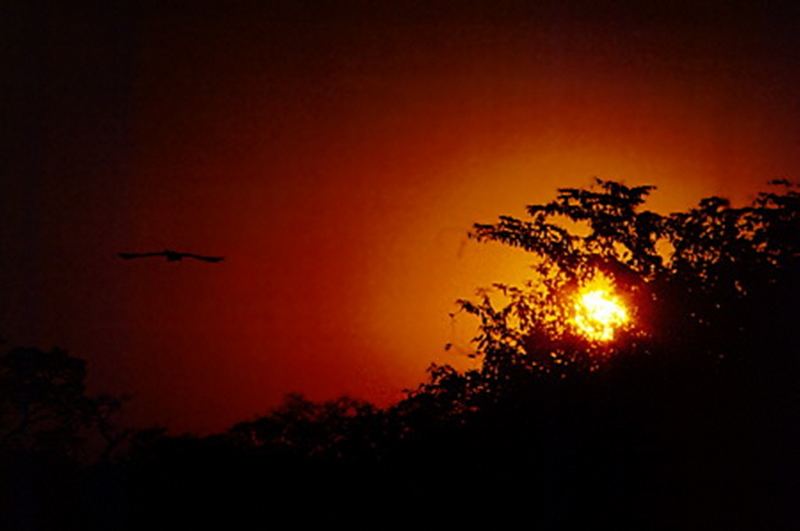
column 172, row 256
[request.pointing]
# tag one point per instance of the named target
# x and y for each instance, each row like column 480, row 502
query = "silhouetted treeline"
column 689, row 419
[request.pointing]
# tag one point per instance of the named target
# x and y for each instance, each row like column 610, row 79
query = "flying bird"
column 172, row 256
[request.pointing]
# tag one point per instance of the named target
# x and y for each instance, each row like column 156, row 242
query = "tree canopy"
column 683, row 275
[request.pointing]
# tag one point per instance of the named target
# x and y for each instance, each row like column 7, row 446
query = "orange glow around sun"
column 599, row 313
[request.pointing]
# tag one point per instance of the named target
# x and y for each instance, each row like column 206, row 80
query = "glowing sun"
column 598, row 312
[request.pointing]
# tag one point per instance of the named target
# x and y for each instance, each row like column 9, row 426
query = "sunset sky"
column 336, row 153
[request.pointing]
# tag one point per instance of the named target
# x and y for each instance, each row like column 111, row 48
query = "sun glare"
column 598, row 311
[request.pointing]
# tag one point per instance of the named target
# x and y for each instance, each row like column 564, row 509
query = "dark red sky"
column 337, row 153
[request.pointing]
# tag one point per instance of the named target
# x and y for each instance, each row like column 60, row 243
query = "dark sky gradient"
column 337, row 153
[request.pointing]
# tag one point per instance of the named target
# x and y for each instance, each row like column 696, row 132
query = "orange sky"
column 337, row 157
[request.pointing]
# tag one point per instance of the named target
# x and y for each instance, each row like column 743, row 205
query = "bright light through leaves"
column 599, row 313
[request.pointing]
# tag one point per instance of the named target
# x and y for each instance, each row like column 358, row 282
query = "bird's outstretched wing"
column 213, row 259
column 129, row 256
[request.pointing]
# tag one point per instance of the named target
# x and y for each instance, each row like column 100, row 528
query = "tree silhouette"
column 688, row 275
column 44, row 406
column 703, row 381
column 56, row 443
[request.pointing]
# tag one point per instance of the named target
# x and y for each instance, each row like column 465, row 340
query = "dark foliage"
column 50, row 432
column 687, row 420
